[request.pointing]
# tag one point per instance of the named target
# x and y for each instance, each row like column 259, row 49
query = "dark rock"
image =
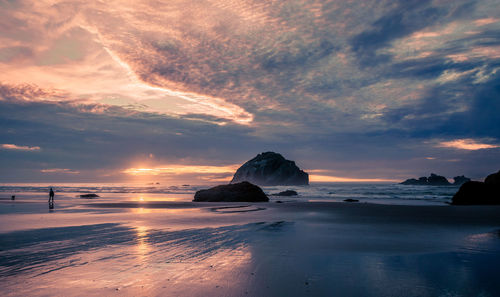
column 437, row 180
column 493, row 179
column 89, row 196
column 286, row 193
column 240, row 192
column 351, row 200
column 477, row 193
column 460, row 180
column 433, row 180
column 271, row 169
column 412, row 182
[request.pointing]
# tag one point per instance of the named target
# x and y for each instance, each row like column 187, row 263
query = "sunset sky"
column 186, row 91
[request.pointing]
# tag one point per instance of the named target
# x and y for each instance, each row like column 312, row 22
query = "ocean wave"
column 366, row 192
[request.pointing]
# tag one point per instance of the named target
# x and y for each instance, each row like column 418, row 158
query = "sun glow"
column 182, row 169
column 328, row 178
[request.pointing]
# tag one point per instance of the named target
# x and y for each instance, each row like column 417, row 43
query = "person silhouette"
column 51, row 198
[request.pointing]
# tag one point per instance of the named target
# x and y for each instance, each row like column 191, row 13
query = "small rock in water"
column 351, row 200
column 89, row 196
column 286, row 193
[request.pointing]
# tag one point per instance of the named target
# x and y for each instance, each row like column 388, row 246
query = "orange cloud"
column 20, row 147
column 486, row 21
column 60, row 170
column 466, row 144
column 328, row 178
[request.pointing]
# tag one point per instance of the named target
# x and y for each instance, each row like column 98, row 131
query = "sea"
column 380, row 193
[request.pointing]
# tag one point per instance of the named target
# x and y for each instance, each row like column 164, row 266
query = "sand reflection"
column 143, row 248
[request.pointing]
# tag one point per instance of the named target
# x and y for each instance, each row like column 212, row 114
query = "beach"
column 178, row 248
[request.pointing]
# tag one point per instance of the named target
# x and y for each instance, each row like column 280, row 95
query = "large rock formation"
column 433, row 180
column 240, row 192
column 271, row 169
column 475, row 193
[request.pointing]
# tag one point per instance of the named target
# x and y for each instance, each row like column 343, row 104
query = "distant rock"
column 351, row 200
column 477, row 193
column 271, row 169
column 437, row 180
column 89, row 196
column 286, row 193
column 239, row 192
column 460, row 180
column 416, row 182
column 433, row 180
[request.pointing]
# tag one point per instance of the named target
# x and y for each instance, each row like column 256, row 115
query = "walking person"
column 51, row 199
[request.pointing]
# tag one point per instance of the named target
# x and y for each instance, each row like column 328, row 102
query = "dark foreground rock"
column 286, row 193
column 271, row 169
column 477, row 193
column 432, row 180
column 89, row 196
column 240, row 192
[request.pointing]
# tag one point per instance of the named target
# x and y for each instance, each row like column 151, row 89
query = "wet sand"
column 127, row 248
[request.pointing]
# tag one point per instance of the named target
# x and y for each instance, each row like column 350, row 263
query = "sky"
column 185, row 91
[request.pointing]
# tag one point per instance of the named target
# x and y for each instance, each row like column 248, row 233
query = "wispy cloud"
column 59, row 170
column 20, row 147
column 467, row 144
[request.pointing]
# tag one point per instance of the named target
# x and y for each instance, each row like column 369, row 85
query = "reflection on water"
column 143, row 248
column 258, row 259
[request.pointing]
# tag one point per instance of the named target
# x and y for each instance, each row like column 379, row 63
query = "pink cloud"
column 20, row 147
column 59, row 170
column 466, row 144
column 486, row 21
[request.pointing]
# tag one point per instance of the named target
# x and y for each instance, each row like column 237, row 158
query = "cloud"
column 466, row 144
column 20, row 147
column 59, row 170
column 335, row 84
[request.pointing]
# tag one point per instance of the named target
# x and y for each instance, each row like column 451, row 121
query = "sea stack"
column 271, row 169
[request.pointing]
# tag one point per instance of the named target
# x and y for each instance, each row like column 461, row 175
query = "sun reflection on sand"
column 143, row 248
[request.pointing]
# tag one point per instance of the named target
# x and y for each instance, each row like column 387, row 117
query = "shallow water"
column 383, row 193
column 125, row 248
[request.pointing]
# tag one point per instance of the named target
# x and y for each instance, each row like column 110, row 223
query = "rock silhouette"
column 432, row 180
column 476, row 193
column 89, row 196
column 286, row 193
column 239, row 192
column 271, row 169
column 460, row 180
